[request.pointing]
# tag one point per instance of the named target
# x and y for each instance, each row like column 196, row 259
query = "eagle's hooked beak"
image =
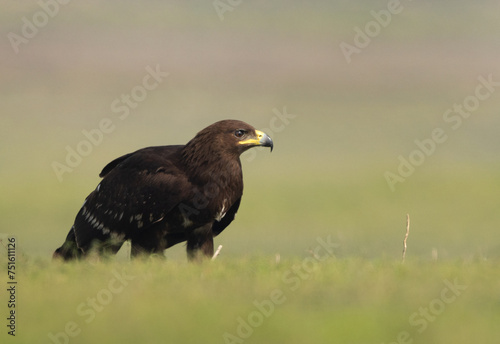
column 261, row 139
column 265, row 140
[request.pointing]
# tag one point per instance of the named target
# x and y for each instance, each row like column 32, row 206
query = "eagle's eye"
column 239, row 133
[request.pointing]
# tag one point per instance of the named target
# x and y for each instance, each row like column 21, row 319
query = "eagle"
column 159, row 196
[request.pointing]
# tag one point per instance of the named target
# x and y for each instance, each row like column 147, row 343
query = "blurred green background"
column 326, row 176
column 348, row 125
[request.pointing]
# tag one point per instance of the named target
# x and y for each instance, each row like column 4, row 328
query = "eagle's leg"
column 200, row 243
column 108, row 247
column 150, row 242
column 145, row 248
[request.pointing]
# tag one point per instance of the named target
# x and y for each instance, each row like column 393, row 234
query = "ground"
column 408, row 124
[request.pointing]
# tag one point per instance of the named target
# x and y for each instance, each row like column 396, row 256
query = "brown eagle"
column 157, row 197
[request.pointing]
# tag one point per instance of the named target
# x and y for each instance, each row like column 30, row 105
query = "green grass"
column 348, row 300
column 325, row 178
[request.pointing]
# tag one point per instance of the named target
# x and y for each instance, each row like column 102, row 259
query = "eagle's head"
column 232, row 137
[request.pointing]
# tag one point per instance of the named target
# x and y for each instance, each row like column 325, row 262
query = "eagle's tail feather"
column 69, row 250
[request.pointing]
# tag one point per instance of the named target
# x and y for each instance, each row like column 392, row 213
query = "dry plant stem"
column 406, row 236
column 217, row 252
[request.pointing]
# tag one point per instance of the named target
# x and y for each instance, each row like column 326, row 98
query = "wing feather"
column 138, row 190
column 220, row 225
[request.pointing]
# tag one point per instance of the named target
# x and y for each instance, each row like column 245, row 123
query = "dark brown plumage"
column 157, row 197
